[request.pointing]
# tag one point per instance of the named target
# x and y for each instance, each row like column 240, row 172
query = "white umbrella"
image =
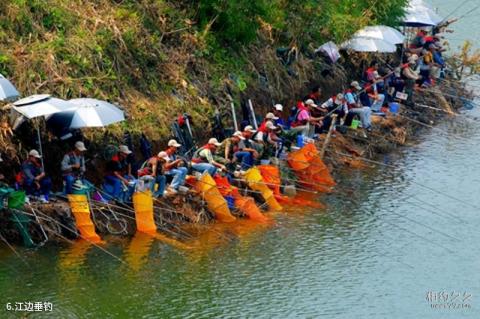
column 8, row 92
column 419, row 14
column 88, row 113
column 41, row 105
column 381, row 32
column 329, row 49
column 361, row 44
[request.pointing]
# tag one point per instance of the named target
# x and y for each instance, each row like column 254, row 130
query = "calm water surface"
column 389, row 237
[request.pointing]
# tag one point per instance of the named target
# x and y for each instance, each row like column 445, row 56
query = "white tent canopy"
column 361, row 44
column 381, row 32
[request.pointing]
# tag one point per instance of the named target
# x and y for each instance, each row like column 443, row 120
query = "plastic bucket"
column 355, row 124
column 394, row 107
column 300, row 141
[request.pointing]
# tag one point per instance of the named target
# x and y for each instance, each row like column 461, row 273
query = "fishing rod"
column 416, row 183
column 273, row 184
column 84, row 238
column 13, row 249
column 133, row 218
column 350, row 199
column 454, row 11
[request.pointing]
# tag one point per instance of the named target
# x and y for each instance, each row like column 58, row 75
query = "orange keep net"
column 255, row 182
column 81, row 212
column 245, row 204
column 143, row 206
column 310, row 169
column 207, row 187
column 271, row 176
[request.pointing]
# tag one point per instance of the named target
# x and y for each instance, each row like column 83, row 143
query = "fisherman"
column 426, row 63
column 270, row 117
column 334, row 105
column 355, row 108
column 33, row 179
column 273, row 142
column 376, row 99
column 253, row 142
column 119, row 184
column 278, row 112
column 315, row 95
column 300, row 119
column 73, row 166
column 231, row 151
column 204, row 155
column 174, row 167
column 410, row 78
column 154, row 169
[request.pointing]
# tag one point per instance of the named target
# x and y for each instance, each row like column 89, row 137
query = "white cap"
column 270, row 126
column 34, row 153
column 80, row 146
column 271, row 116
column 173, row 143
column 214, row 141
column 279, row 107
column 339, row 99
column 310, row 102
column 124, row 149
column 162, row 154
column 239, row 135
column 356, row 85
column 249, row 128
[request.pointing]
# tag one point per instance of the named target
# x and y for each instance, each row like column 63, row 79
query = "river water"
column 395, row 241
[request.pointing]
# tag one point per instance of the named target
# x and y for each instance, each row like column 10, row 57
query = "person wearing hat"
column 411, row 77
column 154, row 169
column 253, row 141
column 33, row 179
column 302, row 119
column 174, row 166
column 355, row 108
column 278, row 112
column 270, row 117
column 205, row 155
column 233, row 150
column 117, row 180
column 73, row 166
column 335, row 105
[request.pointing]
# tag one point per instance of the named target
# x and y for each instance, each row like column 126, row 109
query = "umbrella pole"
column 39, row 138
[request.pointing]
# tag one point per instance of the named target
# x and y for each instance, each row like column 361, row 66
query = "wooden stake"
column 329, row 135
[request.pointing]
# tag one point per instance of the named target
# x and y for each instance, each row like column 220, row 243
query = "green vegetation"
column 159, row 58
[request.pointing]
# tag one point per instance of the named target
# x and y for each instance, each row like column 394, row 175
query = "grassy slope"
column 160, row 58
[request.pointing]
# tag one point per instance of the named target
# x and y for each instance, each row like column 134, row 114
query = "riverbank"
column 347, row 150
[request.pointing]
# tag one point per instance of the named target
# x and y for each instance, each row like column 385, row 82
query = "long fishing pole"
column 350, row 199
column 84, row 238
column 416, row 183
column 13, row 249
column 133, row 218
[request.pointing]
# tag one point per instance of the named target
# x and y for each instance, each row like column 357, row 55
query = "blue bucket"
column 230, row 201
column 300, row 140
column 394, row 107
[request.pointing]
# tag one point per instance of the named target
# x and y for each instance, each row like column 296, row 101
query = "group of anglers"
column 247, row 147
